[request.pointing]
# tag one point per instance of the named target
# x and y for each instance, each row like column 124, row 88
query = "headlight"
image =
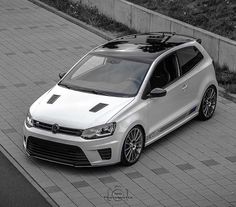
column 99, row 131
column 29, row 121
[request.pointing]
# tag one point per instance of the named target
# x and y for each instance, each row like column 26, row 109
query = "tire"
column 133, row 146
column 208, row 104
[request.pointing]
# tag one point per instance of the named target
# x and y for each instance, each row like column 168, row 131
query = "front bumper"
column 50, row 146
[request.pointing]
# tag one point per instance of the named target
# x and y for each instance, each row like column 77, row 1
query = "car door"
column 164, row 112
column 191, row 74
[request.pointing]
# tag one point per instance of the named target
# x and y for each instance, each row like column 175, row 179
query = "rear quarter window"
column 188, row 58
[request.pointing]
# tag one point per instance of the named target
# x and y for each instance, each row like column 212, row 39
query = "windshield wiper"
column 77, row 88
column 98, row 92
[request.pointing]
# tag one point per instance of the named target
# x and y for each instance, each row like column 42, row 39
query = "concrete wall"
column 221, row 49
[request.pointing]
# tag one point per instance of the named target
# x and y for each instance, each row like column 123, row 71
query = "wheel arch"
column 205, row 85
column 137, row 125
column 131, row 126
column 144, row 133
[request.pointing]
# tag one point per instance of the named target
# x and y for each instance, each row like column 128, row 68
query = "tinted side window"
column 188, row 57
column 166, row 71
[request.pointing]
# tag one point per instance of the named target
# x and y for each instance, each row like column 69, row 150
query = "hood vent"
column 53, row 99
column 98, row 107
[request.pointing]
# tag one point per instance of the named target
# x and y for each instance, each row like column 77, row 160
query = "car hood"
column 75, row 109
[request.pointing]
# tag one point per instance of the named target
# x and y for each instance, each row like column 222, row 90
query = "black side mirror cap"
column 157, row 92
column 61, row 75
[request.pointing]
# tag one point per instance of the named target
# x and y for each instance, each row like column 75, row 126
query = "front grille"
column 105, row 153
column 63, row 130
column 57, row 152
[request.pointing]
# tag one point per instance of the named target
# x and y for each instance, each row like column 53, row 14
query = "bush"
column 61, row 5
column 217, row 16
column 225, row 77
column 231, row 88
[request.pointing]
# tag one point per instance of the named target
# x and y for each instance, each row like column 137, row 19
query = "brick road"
column 193, row 166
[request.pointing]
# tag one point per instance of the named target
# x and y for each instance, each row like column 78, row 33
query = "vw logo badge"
column 55, row 128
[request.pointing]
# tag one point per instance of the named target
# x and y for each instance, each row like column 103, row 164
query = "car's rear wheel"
column 133, row 146
column 208, row 104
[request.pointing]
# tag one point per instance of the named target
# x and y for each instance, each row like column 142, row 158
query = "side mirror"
column 157, row 92
column 61, row 75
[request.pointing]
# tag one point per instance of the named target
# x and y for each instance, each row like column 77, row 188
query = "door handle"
column 184, row 86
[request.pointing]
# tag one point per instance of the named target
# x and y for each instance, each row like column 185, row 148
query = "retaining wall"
column 222, row 50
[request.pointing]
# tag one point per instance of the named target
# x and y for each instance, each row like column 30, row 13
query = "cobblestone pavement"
column 193, row 166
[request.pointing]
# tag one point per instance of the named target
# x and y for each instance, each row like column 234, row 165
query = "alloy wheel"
column 209, row 102
column 133, row 145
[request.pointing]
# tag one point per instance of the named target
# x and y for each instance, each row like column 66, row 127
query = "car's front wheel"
column 208, row 104
column 133, row 146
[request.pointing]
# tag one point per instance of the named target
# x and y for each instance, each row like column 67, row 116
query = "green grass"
column 218, row 16
column 226, row 78
column 90, row 15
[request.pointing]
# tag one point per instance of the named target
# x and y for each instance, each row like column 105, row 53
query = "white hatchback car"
column 120, row 97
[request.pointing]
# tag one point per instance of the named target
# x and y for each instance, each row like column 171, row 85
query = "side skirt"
column 170, row 127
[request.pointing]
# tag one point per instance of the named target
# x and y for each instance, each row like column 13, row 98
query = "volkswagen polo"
column 121, row 97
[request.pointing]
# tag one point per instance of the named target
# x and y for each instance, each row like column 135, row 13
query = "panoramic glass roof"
column 142, row 48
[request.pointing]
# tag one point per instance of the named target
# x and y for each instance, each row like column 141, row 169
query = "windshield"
column 107, row 76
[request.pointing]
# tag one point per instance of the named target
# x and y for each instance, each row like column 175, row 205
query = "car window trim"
column 170, row 83
column 180, row 69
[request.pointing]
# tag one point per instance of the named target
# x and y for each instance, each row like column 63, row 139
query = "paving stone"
column 2, row 87
column 108, row 179
column 93, row 46
column 186, row 166
column 40, row 82
column 61, row 49
column 8, row 131
column 49, row 26
column 80, row 184
column 160, row 171
column 65, row 24
column 45, row 50
column 133, row 175
column 27, row 52
column 10, row 53
column 78, row 47
column 33, row 27
column 232, row 204
column 231, row 158
column 18, row 85
column 52, row 189
column 210, row 162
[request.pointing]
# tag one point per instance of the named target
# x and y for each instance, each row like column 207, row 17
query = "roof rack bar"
column 146, row 33
column 163, row 33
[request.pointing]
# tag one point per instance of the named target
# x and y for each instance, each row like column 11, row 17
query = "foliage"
column 225, row 77
column 217, row 16
column 231, row 88
column 90, row 15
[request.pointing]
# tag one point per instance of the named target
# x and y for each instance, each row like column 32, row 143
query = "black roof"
column 141, row 47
